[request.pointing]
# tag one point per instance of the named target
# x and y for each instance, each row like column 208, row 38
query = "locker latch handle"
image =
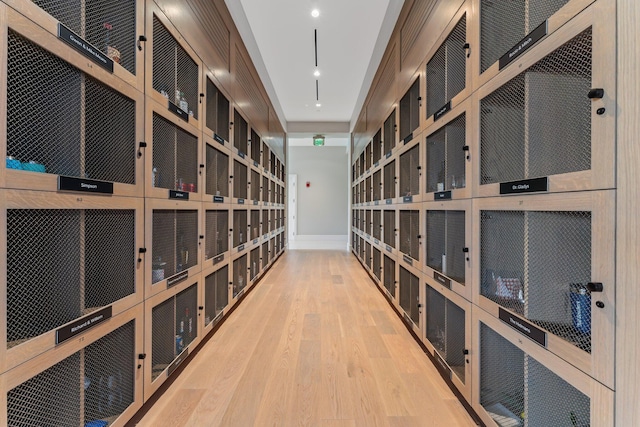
column 142, row 356
column 595, row 287
column 467, row 47
column 465, row 351
column 141, row 251
column 596, row 93
column 141, row 146
column 201, row 96
column 141, row 38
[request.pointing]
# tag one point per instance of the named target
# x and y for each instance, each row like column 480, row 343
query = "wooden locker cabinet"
column 411, row 295
column 49, row 83
column 176, row 228
column 411, row 110
column 390, row 278
column 216, row 172
column 215, row 295
column 239, row 180
column 522, row 134
column 542, row 386
column 175, row 152
column 448, row 242
column 131, row 23
column 216, row 111
column 448, row 167
column 239, row 220
column 217, row 221
column 410, row 172
column 93, row 376
column 447, row 334
column 177, row 69
column 173, row 328
column 553, row 243
column 99, row 270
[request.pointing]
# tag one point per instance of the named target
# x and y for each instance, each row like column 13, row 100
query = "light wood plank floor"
column 314, row 344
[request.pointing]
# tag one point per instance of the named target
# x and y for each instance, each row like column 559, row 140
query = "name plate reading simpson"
column 67, row 183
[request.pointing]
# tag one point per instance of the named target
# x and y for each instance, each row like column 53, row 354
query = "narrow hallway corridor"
column 314, row 344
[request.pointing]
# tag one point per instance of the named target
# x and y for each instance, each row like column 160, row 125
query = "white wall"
column 323, row 211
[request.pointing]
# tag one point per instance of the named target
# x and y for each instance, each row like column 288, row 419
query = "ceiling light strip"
column 317, row 91
column 315, row 37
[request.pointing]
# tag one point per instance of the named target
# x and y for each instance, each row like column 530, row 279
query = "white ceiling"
column 352, row 36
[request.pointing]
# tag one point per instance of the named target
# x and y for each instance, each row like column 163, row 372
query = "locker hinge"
column 141, row 38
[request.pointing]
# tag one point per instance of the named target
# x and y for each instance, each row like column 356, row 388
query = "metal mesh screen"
column 367, row 157
column 255, row 262
column 362, row 169
column 496, row 37
column 390, row 276
column 410, row 172
column 445, row 243
column 265, row 189
column 389, row 228
column 255, row 185
column 272, row 192
column 376, row 147
column 367, row 222
column 361, row 248
column 410, row 110
column 216, row 294
column 537, row 264
column 265, row 254
column 523, row 121
column 367, row 189
column 272, row 220
column 240, row 133
column 389, row 133
column 255, row 224
column 71, row 283
column 377, row 262
column 175, row 156
column 377, row 186
column 239, row 275
column 446, row 70
column 515, row 388
column 174, row 242
column 239, row 227
column 446, row 330
column 266, row 155
column 367, row 254
column 77, row 140
column 187, row 315
column 217, row 240
column 175, row 73
column 95, row 384
column 265, row 221
column 110, row 26
column 217, row 111
column 240, row 187
column 446, row 157
column 376, row 225
column 217, row 172
column 256, row 146
column 410, row 294
column 390, row 180
column 410, row 233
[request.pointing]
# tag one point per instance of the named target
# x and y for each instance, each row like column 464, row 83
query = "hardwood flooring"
column 314, row 344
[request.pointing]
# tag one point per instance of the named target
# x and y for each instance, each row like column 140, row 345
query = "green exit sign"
column 318, row 140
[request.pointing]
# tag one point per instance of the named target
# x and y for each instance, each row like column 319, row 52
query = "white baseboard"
column 321, row 242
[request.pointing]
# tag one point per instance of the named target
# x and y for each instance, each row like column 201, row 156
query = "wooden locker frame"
column 206, row 197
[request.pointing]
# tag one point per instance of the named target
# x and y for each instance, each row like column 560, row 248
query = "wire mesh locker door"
column 446, row 157
column 389, row 228
column 217, row 170
column 216, row 294
column 175, row 156
column 515, row 387
column 522, row 121
column 367, row 222
column 93, row 136
column 265, row 254
column 240, row 186
column 446, row 243
column 410, row 295
column 377, row 186
column 389, row 134
column 377, row 263
column 367, row 157
column 93, row 385
column 410, row 233
column 410, row 172
column 255, row 263
column 367, row 255
column 217, row 233
column 217, row 113
column 389, row 275
column 390, row 181
column 255, row 186
column 377, row 224
column 410, row 112
column 256, row 146
column 376, row 148
column 367, row 189
column 239, row 275
column 255, row 224
column 240, row 227
column 240, row 134
column 174, row 242
column 446, row 70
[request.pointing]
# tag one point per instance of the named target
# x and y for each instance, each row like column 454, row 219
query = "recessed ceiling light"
column 318, row 105
column 315, row 13
column 316, row 73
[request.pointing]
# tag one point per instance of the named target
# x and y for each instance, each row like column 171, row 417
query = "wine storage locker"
column 216, row 294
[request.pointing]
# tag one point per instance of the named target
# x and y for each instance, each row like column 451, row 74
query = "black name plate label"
column 177, row 278
column 408, row 139
column 389, row 249
column 218, row 199
column 524, row 327
column 524, row 44
column 388, row 154
column 241, row 154
column 82, row 325
column 256, row 164
column 442, row 111
column 442, row 365
column 218, row 259
column 442, row 195
column 180, row 195
column 407, row 199
column 376, row 164
column 525, row 186
column 240, row 248
column 407, row 259
column 255, row 241
column 218, row 138
column 241, row 201
column 178, row 111
column 85, row 48
column 389, row 201
column 444, row 281
column 183, row 356
column 67, row 183
column 255, row 203
column 376, row 241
